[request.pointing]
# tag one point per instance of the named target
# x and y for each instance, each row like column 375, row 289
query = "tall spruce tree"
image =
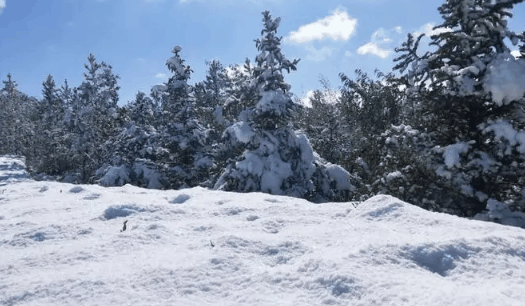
column 50, row 132
column 134, row 155
column 92, row 117
column 183, row 135
column 276, row 160
column 17, row 120
column 464, row 102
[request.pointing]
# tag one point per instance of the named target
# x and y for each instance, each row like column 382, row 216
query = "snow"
column 340, row 176
column 273, row 100
column 505, row 79
column 451, row 153
column 115, row 176
column 148, row 174
column 175, row 64
column 499, row 212
column 159, row 89
column 66, row 248
column 394, row 175
column 242, row 131
column 12, row 169
column 276, row 171
column 504, row 130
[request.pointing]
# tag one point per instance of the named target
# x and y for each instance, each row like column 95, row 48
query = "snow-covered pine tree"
column 276, row 159
column 321, row 120
column 241, row 94
column 368, row 108
column 8, row 116
column 182, row 134
column 50, row 132
column 210, row 97
column 17, row 118
column 93, row 117
column 134, row 155
column 468, row 94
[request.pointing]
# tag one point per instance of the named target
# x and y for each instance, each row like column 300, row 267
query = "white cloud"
column 348, row 53
column 161, row 76
column 373, row 48
column 336, row 26
column 330, row 96
column 428, row 30
column 381, row 36
column 2, row 6
column 379, row 39
column 318, row 55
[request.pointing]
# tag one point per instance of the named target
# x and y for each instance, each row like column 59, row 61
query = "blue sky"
column 136, row 37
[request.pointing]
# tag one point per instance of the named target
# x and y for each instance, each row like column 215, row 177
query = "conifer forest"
column 444, row 130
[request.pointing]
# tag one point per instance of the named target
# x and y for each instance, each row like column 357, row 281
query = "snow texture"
column 225, row 248
column 340, row 176
column 452, row 152
column 115, row 176
column 242, row 131
column 505, row 79
column 505, row 131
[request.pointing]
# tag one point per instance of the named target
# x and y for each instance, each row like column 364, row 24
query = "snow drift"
column 60, row 247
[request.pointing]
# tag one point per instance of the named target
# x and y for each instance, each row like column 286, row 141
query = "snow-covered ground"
column 61, row 244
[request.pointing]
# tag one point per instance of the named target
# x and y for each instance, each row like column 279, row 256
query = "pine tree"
column 210, row 96
column 93, row 115
column 275, row 159
column 241, row 94
column 17, row 118
column 50, row 132
column 188, row 161
column 134, row 155
column 458, row 95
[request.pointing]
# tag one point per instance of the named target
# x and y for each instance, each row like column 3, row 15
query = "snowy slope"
column 61, row 244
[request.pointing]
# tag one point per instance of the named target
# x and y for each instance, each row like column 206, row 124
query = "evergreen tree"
column 183, row 136
column 50, row 133
column 241, row 94
column 134, row 155
column 321, row 120
column 276, row 160
column 210, row 98
column 460, row 98
column 93, row 117
column 17, row 119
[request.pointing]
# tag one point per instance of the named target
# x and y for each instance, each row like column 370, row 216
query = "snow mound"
column 181, row 198
column 382, row 207
column 241, row 249
column 12, row 169
column 115, row 176
column 118, row 211
column 76, row 189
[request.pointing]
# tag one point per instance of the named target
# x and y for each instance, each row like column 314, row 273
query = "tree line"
column 444, row 130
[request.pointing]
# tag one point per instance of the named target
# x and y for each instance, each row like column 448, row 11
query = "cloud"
column 2, row 6
column 380, row 35
column 161, row 76
column 330, row 96
column 379, row 39
column 428, row 30
column 348, row 53
column 338, row 26
column 373, row 48
column 318, row 55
